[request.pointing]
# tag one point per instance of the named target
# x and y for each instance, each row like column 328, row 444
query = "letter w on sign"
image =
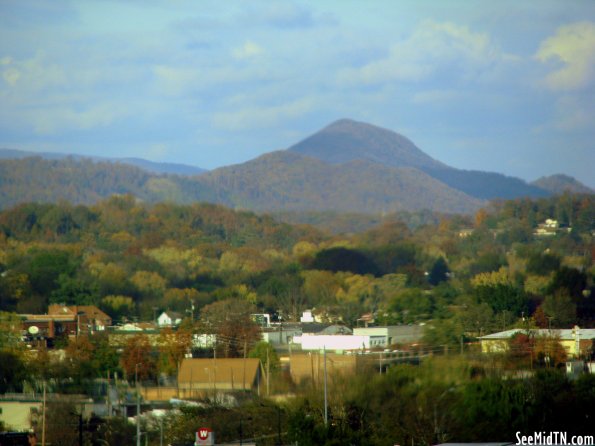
column 204, row 436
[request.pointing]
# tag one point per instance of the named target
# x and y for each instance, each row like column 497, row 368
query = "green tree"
column 267, row 355
column 74, row 291
column 13, row 371
column 438, row 272
column 560, row 308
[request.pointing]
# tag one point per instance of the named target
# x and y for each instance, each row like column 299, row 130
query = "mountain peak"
column 560, row 183
column 347, row 140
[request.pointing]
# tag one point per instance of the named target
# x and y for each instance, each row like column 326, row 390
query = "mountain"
column 348, row 140
column 286, row 180
column 348, row 167
column 559, row 183
column 149, row 166
column 83, row 181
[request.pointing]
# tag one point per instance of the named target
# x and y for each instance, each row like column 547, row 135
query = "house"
column 281, row 334
column 576, row 341
column 169, row 318
column 366, row 319
column 218, row 374
column 383, row 336
column 550, row 227
column 466, row 232
column 261, row 319
column 307, row 317
column 89, row 318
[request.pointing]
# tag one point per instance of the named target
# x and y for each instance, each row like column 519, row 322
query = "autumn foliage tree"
column 173, row 346
column 230, row 320
column 138, row 351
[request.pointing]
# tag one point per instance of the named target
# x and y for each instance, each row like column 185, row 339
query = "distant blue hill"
column 149, row 166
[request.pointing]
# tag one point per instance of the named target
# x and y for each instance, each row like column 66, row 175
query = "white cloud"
column 48, row 122
column 573, row 113
column 434, row 97
column 433, row 49
column 33, row 74
column 11, row 76
column 262, row 116
column 174, row 80
column 247, row 51
column 574, row 46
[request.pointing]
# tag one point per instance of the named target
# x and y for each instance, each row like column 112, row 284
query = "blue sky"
column 505, row 86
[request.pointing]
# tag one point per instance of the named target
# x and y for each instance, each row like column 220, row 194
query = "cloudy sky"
column 507, row 86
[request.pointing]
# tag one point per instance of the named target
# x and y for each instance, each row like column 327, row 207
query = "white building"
column 307, row 317
column 169, row 319
column 391, row 334
column 281, row 335
column 204, row 340
column 332, row 342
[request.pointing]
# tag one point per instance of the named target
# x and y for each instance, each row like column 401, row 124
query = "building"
column 41, row 327
column 385, row 336
column 218, row 374
column 310, row 366
column 261, row 319
column 576, row 341
column 281, row 334
column 89, row 318
column 16, row 413
column 550, row 227
column 336, row 342
column 169, row 319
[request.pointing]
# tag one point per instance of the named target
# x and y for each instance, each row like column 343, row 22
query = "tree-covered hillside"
column 472, row 274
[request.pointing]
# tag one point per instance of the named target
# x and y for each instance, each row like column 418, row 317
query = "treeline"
column 84, row 181
column 443, row 400
column 465, row 275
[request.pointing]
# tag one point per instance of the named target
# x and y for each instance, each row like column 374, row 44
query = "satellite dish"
column 33, row 330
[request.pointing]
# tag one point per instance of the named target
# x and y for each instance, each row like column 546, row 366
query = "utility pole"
column 268, row 373
column 278, row 425
column 43, row 417
column 244, row 371
column 137, row 405
column 325, row 390
column 161, row 429
column 81, row 426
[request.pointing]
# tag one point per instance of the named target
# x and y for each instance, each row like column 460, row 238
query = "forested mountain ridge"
column 275, row 181
column 149, row 166
column 347, row 167
column 285, row 180
column 84, row 181
column 558, row 184
column 348, row 140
